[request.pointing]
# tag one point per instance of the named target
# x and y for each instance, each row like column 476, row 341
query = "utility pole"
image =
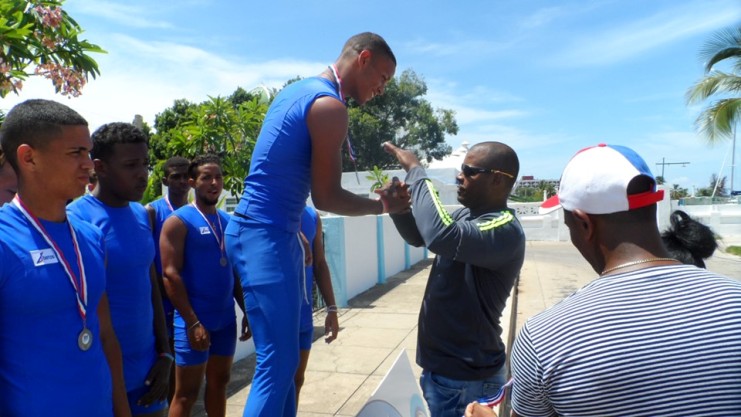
column 733, row 158
column 663, row 164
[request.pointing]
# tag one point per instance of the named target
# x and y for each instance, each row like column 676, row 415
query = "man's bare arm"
column 327, row 121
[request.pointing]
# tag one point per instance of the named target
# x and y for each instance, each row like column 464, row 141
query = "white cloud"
column 620, row 43
column 121, row 13
column 458, row 47
column 472, row 105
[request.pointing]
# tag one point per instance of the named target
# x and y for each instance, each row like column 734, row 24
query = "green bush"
column 734, row 250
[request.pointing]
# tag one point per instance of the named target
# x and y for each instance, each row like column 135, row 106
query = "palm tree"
column 719, row 119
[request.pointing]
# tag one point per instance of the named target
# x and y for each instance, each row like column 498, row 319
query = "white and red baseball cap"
column 596, row 181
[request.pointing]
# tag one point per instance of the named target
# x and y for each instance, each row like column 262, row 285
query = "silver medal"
column 85, row 339
column 222, row 261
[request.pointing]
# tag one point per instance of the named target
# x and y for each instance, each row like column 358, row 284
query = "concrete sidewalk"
column 342, row 375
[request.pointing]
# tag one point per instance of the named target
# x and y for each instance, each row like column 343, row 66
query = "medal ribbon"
column 219, row 241
column 167, row 201
column 350, row 150
column 79, row 284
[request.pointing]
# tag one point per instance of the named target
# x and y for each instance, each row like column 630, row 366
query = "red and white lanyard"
column 78, row 283
column 350, row 149
column 219, row 240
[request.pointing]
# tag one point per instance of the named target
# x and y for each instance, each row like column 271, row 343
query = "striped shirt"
column 663, row 341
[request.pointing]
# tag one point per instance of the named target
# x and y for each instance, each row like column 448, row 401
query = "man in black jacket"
column 479, row 251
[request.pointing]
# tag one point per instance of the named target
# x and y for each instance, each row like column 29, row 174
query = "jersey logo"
column 43, row 257
column 204, row 230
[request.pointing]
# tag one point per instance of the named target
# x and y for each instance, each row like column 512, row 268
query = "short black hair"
column 688, row 240
column 201, row 160
column 110, row 134
column 174, row 162
column 499, row 156
column 35, row 122
column 368, row 41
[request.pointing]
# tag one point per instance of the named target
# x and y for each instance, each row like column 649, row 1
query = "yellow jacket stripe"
column 494, row 223
column 444, row 215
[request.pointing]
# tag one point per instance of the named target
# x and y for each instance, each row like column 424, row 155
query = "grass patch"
column 734, row 250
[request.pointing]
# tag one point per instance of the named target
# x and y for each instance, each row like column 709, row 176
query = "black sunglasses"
column 470, row 171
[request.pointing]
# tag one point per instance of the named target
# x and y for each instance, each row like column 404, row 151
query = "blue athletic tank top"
column 308, row 227
column 279, row 181
column 43, row 372
column 129, row 256
column 210, row 285
column 161, row 212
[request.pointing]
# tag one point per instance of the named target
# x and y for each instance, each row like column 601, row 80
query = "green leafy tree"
column 217, row 126
column 718, row 184
column 378, row 177
column 716, row 188
column 527, row 195
column 165, row 125
column 660, row 180
column 716, row 122
column 547, row 188
column 39, row 38
column 403, row 116
column 677, row 192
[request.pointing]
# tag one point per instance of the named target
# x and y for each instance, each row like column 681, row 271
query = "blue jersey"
column 278, row 184
column 209, row 284
column 162, row 210
column 42, row 370
column 129, row 257
column 308, row 228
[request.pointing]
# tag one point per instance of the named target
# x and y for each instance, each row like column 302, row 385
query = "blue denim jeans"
column 449, row 397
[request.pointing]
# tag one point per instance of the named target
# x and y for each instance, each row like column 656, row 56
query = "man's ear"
column 191, row 182
column 364, row 57
column 25, row 156
column 100, row 167
column 585, row 223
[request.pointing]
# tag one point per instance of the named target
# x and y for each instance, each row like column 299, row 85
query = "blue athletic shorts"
column 305, row 338
column 223, row 343
column 136, row 367
column 136, row 393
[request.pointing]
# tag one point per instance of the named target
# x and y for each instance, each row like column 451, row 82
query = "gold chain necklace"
column 641, row 261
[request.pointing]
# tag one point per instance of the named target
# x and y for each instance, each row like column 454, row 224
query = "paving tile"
column 371, row 337
column 327, row 392
column 347, row 359
column 356, row 401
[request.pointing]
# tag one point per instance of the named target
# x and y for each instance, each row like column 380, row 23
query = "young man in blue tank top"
column 58, row 349
column 202, row 286
column 175, row 178
column 120, row 152
column 318, row 271
column 299, row 148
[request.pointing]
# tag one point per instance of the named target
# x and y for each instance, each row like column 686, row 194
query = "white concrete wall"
column 724, row 219
column 352, row 246
column 393, row 246
column 361, row 255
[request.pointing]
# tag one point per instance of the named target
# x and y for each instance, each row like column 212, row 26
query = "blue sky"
column 546, row 77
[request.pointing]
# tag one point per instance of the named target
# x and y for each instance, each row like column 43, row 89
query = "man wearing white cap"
column 650, row 336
